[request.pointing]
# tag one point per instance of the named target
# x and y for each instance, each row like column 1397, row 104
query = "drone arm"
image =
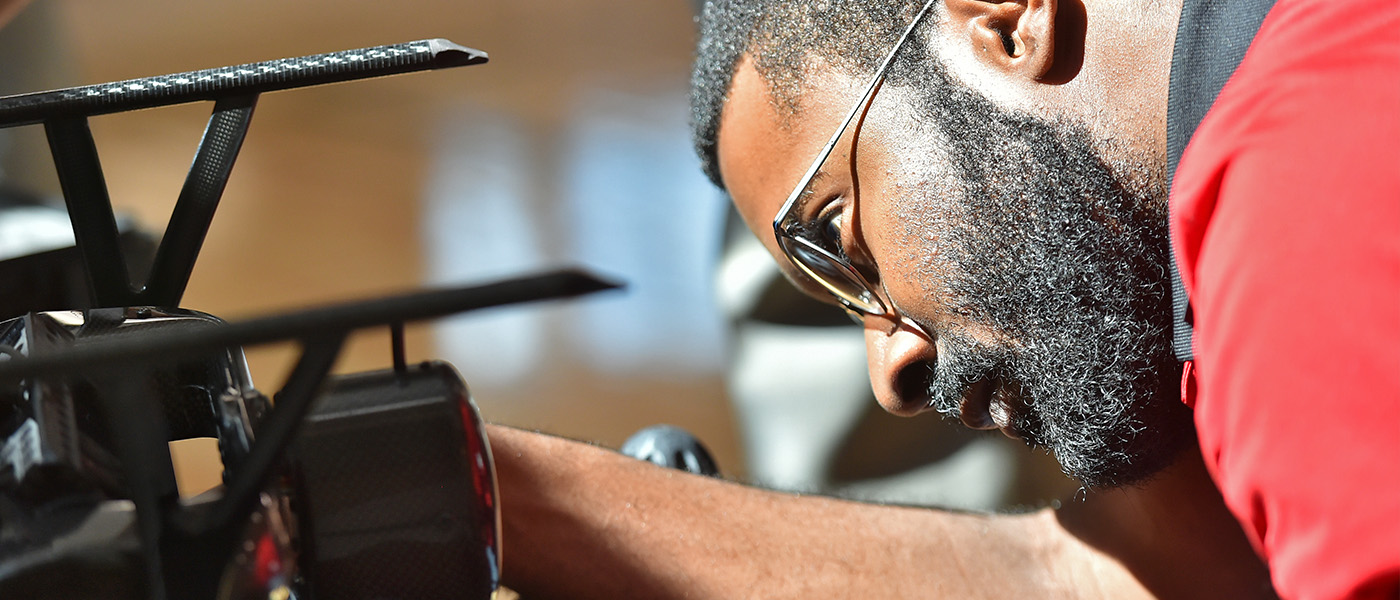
column 234, row 81
column 234, row 90
column 139, row 432
column 194, row 211
column 94, row 224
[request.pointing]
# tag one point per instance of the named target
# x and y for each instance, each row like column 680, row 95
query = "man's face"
column 1037, row 268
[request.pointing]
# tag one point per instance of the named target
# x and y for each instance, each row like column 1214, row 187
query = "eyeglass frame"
column 867, row 302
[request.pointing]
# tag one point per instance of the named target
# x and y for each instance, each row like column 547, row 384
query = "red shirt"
column 1286, row 222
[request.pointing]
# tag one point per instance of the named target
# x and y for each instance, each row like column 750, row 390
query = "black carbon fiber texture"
column 251, row 78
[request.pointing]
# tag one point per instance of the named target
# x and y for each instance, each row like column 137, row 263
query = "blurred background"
column 569, row 148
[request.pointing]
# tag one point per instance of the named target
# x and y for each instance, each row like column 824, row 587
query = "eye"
column 829, row 225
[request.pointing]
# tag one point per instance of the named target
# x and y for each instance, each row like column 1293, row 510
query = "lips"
column 988, row 404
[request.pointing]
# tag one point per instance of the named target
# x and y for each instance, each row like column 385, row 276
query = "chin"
column 1126, row 445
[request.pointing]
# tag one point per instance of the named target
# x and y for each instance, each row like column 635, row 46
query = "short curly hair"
column 782, row 37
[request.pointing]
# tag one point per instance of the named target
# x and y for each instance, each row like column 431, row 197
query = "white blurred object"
column 32, row 229
column 617, row 189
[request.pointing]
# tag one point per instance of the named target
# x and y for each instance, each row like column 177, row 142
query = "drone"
column 367, row 485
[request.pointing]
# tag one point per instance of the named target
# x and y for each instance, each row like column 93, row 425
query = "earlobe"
column 1017, row 36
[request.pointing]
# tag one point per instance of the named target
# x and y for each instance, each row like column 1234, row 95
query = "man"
column 994, row 210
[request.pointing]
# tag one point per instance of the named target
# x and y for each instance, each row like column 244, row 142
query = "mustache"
column 962, row 363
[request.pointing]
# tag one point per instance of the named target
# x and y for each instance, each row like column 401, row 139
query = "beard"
column 1064, row 258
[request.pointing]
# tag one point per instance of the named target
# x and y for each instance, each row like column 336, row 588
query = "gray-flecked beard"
column 1066, row 259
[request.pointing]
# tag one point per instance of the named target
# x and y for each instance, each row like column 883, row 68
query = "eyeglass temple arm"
column 851, row 116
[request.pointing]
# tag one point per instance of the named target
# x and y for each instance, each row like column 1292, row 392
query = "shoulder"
column 1286, row 221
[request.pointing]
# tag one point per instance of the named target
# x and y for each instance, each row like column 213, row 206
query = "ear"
column 1017, row 36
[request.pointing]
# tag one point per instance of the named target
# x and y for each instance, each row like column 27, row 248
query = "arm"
column 583, row 522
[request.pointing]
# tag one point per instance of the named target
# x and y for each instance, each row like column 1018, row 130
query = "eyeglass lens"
column 833, row 274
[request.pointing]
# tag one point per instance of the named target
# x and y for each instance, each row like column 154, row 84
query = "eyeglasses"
column 833, row 272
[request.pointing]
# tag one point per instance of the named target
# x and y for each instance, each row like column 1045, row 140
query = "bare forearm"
column 582, row 522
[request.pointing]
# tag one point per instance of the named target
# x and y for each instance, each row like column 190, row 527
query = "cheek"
column 904, row 249
column 904, row 216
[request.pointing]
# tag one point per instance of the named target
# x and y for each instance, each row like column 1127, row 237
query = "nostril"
column 912, row 386
column 901, row 368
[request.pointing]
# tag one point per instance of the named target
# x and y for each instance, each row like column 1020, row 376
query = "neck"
column 1175, row 523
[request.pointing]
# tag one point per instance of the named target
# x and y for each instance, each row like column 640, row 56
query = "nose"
column 901, row 362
